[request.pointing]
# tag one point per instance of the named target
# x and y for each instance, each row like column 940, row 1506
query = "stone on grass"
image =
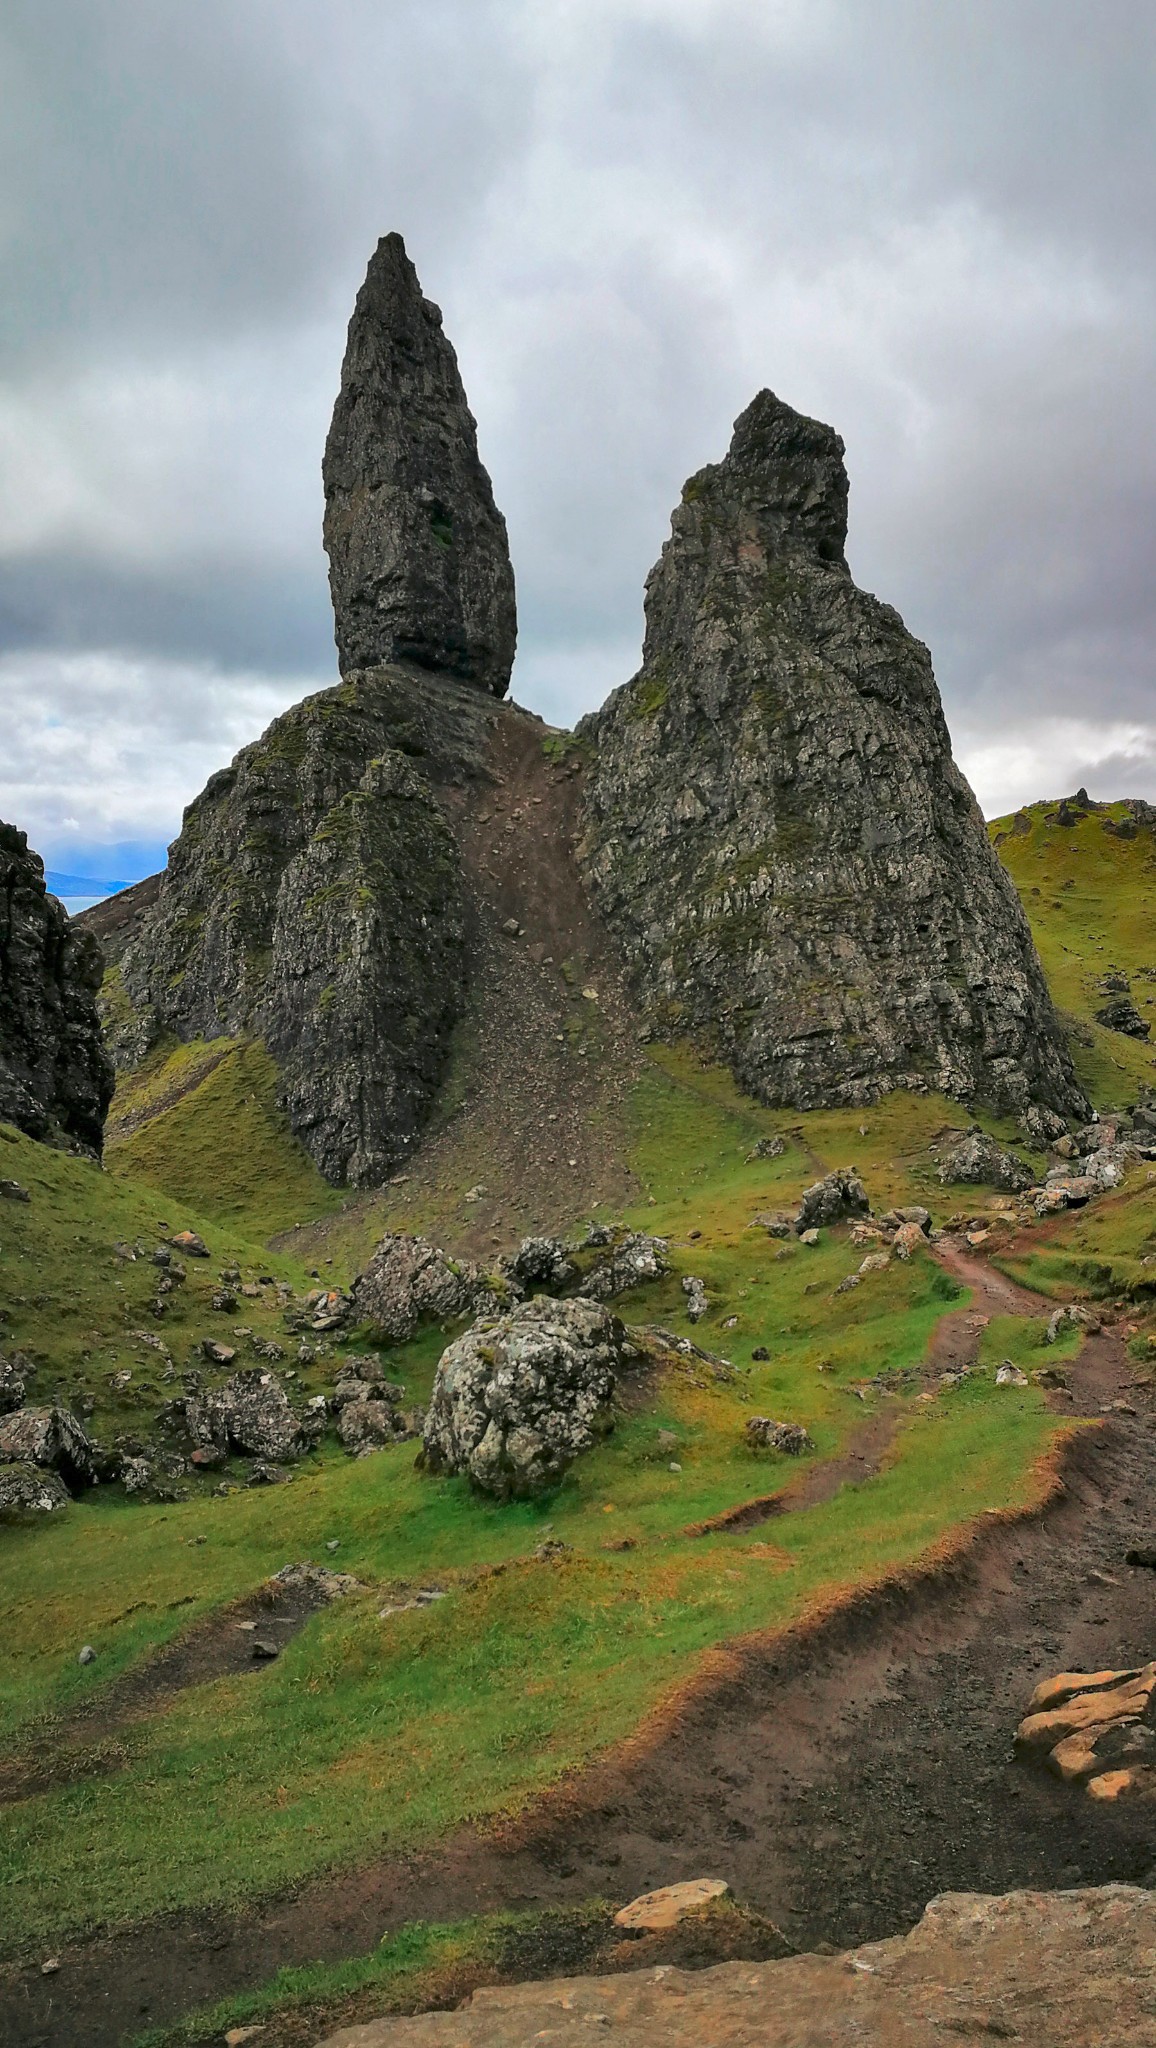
column 541, row 1262
column 832, row 1200
column 87, row 1655
column 979, row 1161
column 697, row 1300
column 1009, row 1375
column 519, row 1397
column 369, row 1425
column 634, row 1259
column 29, row 1490
column 190, row 1244
column 409, row 1281
column 249, row 1415
column 910, row 1237
column 51, row 1438
column 764, row 1434
column 767, row 1148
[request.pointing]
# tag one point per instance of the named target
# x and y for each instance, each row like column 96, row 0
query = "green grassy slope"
column 1091, row 900
column 201, row 1122
column 369, row 1733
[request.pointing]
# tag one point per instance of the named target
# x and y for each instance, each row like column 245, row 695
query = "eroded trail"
column 838, row 1775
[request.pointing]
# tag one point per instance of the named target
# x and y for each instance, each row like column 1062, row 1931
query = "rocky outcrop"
column 56, row 1079
column 314, row 898
column 1093, row 1729
column 834, row 1199
column 30, row 1490
column 250, row 1415
column 518, row 1398
column 978, row 1161
column 53, row 1440
column 1055, row 1969
column 419, row 565
column 774, row 826
column 407, row 1282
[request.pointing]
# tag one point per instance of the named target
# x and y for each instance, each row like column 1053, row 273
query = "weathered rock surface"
column 631, row 1260
column 52, row 1439
column 56, row 1079
column 516, row 1399
column 1094, row 1728
column 314, row 899
column 834, row 1199
column 250, row 1414
column 764, row 1434
column 419, row 565
column 30, row 1490
column 774, row 826
column 409, row 1281
column 1045, row 1969
column 979, row 1161
column 541, row 1262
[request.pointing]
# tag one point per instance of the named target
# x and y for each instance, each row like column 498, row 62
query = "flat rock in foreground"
column 1044, row 1969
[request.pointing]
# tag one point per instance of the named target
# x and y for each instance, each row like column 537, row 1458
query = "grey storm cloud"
column 929, row 225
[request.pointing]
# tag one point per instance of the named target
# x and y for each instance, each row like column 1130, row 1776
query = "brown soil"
column 838, row 1774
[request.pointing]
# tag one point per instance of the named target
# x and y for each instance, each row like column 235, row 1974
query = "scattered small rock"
column 697, row 1301
column 187, row 1241
column 767, row 1435
column 87, row 1655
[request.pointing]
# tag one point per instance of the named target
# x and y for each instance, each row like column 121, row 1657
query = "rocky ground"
column 838, row 1776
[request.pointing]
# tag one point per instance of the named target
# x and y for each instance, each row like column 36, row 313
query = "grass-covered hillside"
column 377, row 1730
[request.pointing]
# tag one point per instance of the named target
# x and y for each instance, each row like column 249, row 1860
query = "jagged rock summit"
column 55, row 1076
column 419, row 565
column 775, row 829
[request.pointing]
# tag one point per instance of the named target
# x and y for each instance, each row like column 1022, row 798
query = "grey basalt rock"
column 52, row 1439
column 56, row 1079
column 517, row 1399
column 314, row 899
column 981, row 1162
column 27, row 1489
column 409, row 1281
column 250, row 1414
column 834, row 1199
column 632, row 1260
column 773, row 824
column 419, row 565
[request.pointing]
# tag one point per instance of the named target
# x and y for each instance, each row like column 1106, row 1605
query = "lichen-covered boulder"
column 518, row 1398
column 773, row 824
column 249, row 1415
column 30, row 1490
column 980, row 1161
column 52, row 1439
column 833, row 1199
column 634, row 1259
column 56, row 1078
column 763, row 1433
column 369, row 1424
column 409, row 1281
column 541, row 1262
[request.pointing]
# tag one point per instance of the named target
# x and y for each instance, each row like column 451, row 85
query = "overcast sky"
column 927, row 221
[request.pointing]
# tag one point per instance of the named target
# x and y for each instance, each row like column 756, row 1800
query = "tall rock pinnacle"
column 774, row 825
column 419, row 565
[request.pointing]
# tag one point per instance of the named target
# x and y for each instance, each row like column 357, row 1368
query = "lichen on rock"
column 774, row 826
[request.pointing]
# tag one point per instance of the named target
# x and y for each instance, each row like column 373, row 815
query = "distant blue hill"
column 83, row 885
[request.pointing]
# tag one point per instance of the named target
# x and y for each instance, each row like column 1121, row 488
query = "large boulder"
column 56, row 1079
column 409, row 1281
column 249, row 1415
column 981, row 1162
column 834, row 1199
column 419, row 565
column 518, row 1398
column 630, row 1261
column 52, row 1439
column 30, row 1490
column 773, row 824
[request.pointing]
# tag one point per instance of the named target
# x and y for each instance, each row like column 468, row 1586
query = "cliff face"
column 314, row 899
column 774, row 826
column 419, row 565
column 55, row 1076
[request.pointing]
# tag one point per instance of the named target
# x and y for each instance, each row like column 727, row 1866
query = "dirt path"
column 838, row 1775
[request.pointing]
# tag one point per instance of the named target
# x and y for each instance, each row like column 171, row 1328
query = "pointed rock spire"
column 419, row 565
